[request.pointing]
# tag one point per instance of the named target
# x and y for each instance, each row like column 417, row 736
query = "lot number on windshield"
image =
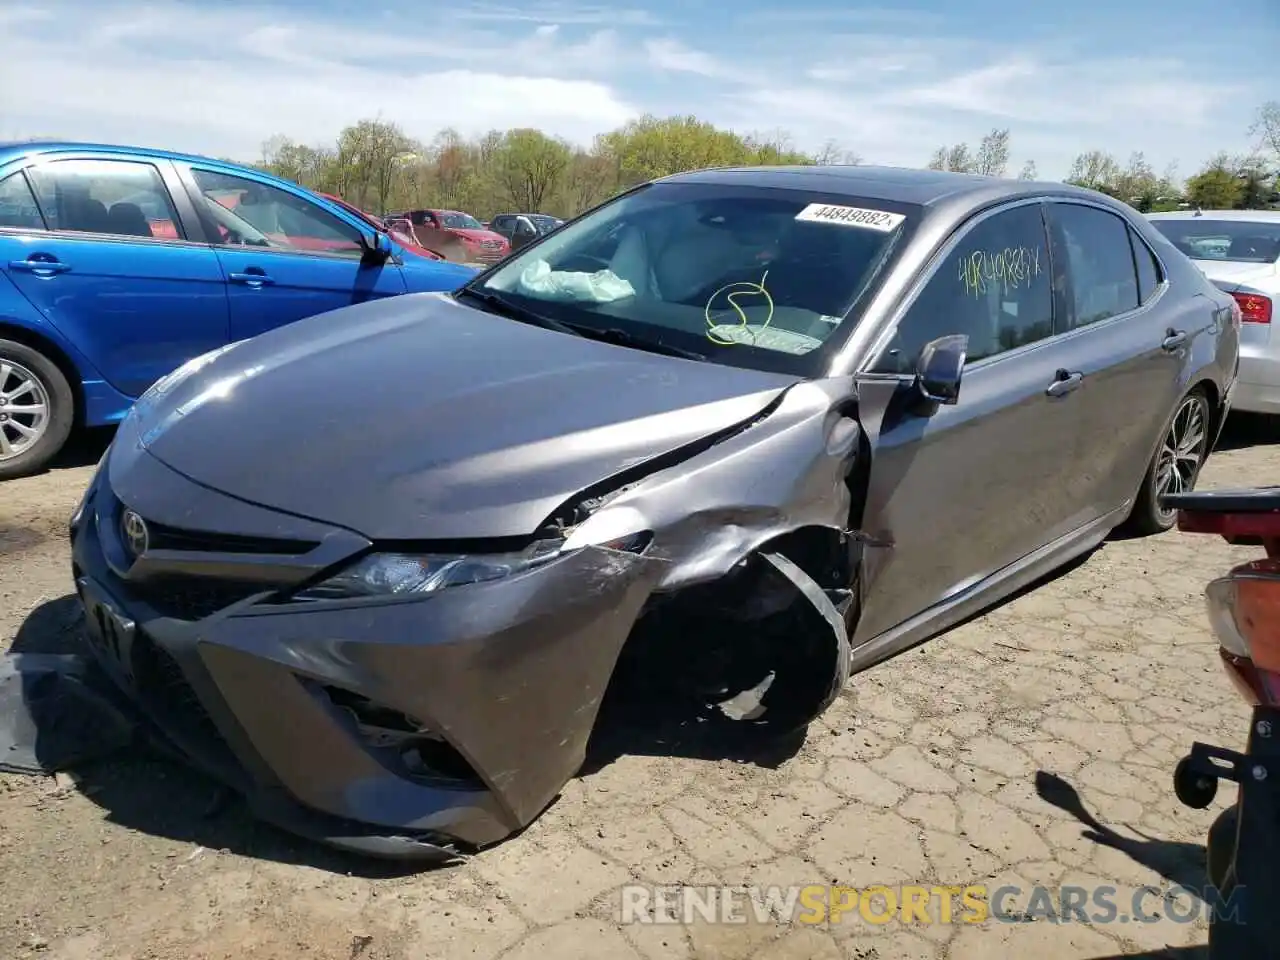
column 880, row 220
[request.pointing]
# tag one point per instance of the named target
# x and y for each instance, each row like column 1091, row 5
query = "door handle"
column 1064, row 382
column 41, row 268
column 251, row 279
column 1173, row 339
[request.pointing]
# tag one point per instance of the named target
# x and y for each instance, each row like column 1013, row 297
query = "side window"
column 1148, row 267
column 1094, row 245
column 126, row 198
column 247, row 213
column 994, row 286
column 418, row 218
column 18, row 204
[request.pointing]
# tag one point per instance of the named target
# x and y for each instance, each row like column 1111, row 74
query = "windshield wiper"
column 499, row 304
column 625, row 338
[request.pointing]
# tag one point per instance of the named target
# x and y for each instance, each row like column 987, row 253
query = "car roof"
column 896, row 184
column 15, row 149
column 1248, row 216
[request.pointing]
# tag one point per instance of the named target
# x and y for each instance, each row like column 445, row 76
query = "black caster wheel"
column 1193, row 789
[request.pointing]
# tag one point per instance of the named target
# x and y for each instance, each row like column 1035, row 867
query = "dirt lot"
column 954, row 764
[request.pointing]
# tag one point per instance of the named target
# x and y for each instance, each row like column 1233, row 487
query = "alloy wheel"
column 24, row 409
column 1182, row 452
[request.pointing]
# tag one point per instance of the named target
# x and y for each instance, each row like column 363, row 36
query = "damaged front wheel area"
column 765, row 649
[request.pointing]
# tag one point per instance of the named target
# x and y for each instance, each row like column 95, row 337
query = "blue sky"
column 1178, row 79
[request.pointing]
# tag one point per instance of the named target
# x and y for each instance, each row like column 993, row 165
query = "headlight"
column 400, row 574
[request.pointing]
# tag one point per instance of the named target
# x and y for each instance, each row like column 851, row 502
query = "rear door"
column 962, row 491
column 115, row 268
column 283, row 255
column 1130, row 338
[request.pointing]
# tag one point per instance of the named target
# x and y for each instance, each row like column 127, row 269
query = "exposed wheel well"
column 10, row 331
column 1215, row 404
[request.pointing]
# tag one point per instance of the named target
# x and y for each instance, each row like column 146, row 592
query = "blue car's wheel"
column 37, row 409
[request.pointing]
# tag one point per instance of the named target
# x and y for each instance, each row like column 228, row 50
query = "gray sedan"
column 765, row 427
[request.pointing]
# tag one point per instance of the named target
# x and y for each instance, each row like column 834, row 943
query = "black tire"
column 25, row 362
column 1220, row 851
column 1148, row 517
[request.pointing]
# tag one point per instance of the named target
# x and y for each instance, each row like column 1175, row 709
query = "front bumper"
column 502, row 680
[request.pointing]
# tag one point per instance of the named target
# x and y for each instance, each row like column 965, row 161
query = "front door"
column 961, row 491
column 284, row 257
column 110, row 267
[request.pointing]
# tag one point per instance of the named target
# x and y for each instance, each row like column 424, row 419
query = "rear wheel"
column 1176, row 464
column 37, row 409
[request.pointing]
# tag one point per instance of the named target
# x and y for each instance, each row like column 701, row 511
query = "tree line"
column 377, row 166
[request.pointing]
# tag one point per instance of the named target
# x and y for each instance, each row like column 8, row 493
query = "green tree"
column 1095, row 170
column 530, row 166
column 992, row 159
column 1266, row 127
column 1028, row 171
column 955, row 158
column 1217, row 186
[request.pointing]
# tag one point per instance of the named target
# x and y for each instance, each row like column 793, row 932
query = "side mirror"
column 940, row 367
column 378, row 250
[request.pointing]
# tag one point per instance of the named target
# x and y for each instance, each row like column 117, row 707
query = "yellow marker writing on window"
column 732, row 292
column 1006, row 269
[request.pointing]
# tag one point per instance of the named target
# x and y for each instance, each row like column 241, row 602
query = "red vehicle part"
column 1254, row 307
column 456, row 236
column 397, row 230
column 1244, row 606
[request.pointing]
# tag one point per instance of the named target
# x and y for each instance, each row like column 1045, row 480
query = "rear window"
column 18, row 204
column 748, row 276
column 1244, row 241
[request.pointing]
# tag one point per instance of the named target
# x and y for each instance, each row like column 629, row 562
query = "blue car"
column 118, row 265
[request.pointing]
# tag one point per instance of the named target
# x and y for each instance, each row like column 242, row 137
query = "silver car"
column 1239, row 250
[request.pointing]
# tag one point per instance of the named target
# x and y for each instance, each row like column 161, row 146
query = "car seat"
column 127, row 219
column 1253, row 248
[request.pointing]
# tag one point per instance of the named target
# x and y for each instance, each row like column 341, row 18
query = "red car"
column 400, row 229
column 457, row 236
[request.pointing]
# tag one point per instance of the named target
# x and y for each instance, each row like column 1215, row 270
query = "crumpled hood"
column 421, row 418
column 1230, row 275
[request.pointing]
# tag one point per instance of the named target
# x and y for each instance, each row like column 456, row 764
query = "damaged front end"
column 753, row 615
column 418, row 705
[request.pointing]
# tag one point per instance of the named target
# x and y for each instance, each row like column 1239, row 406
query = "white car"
column 1239, row 250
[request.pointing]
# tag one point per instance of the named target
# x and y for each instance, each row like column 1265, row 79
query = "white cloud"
column 212, row 80
column 674, row 56
column 221, row 78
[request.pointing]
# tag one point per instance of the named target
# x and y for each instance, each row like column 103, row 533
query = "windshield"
column 1244, row 241
column 459, row 221
column 545, row 224
column 747, row 276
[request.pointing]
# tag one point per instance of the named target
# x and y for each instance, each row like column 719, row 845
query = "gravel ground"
column 953, row 764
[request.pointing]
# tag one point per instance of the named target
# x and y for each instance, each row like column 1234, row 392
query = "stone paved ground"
column 926, row 770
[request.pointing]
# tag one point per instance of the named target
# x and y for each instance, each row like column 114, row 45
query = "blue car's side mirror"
column 378, row 249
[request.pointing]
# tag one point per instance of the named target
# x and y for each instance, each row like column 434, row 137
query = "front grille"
column 199, row 541
column 163, row 687
column 185, row 597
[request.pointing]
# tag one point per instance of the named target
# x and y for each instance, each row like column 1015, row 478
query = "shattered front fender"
column 708, row 513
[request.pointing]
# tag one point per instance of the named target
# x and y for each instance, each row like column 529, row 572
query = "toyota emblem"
column 135, row 533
